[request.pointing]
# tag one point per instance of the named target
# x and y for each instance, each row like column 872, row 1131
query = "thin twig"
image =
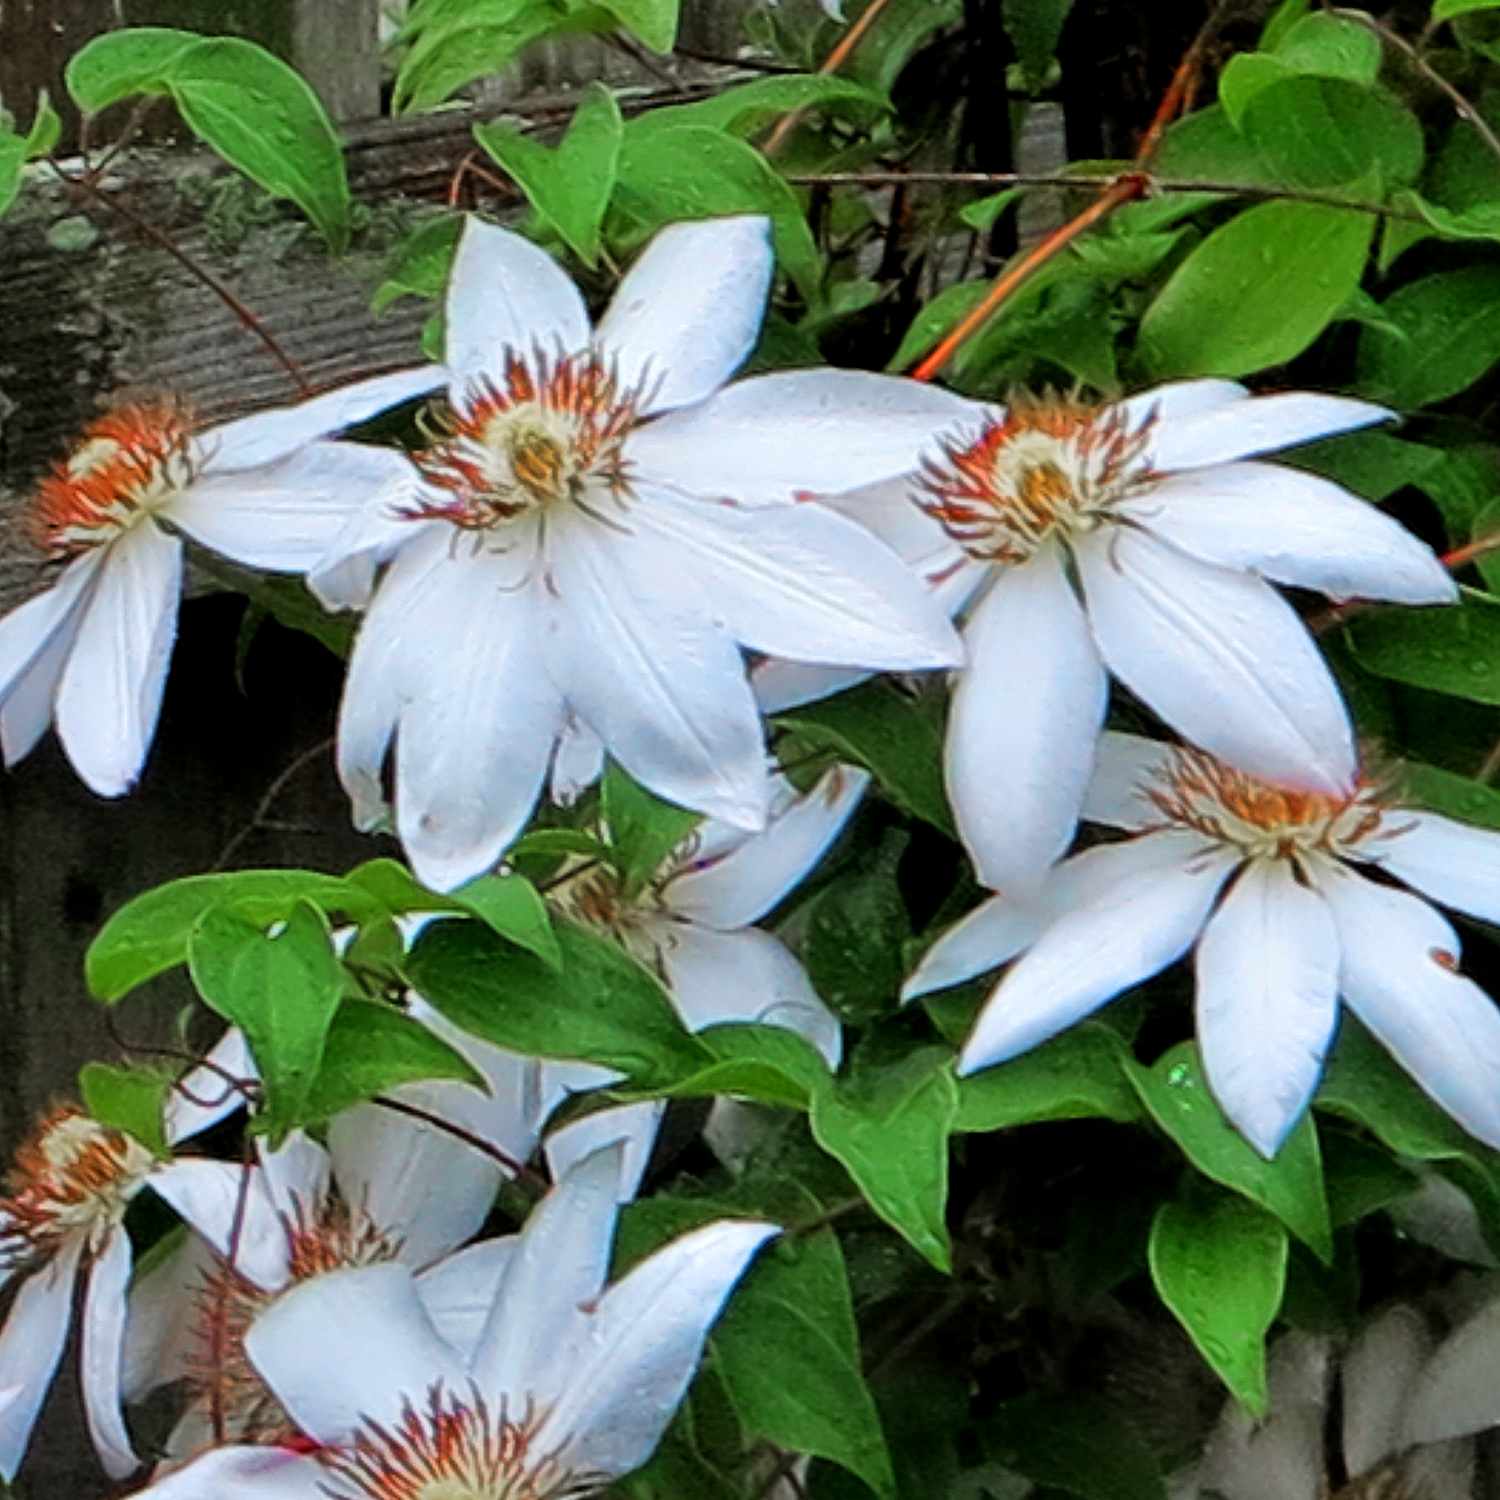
column 1491, row 767
column 519, row 1171
column 266, row 803
column 219, row 1318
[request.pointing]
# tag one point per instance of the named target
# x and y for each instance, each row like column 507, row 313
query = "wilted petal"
column 1221, row 433
column 505, row 295
column 1146, row 918
column 31, row 1343
column 1400, row 958
column 1451, row 862
column 101, row 1355
column 1380, row 1373
column 642, row 1348
column 1221, row 657
column 775, row 438
column 1456, row 1394
column 110, row 692
column 1293, row 528
column 1268, row 981
column 1025, row 722
column 686, row 316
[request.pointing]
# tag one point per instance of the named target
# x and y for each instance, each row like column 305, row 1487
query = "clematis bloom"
column 1267, row 883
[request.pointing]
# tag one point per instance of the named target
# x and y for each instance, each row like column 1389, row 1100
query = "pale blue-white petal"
column 1224, row 432
column 101, row 1355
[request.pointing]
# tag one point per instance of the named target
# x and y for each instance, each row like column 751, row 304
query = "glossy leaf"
column 767, row 1064
column 1455, row 649
column 1447, row 792
column 642, row 829
column 117, row 64
column 1034, row 27
column 1445, row 334
column 12, row 159
column 653, row 21
column 749, row 107
column 1079, row 1075
column 131, row 1099
column 854, row 945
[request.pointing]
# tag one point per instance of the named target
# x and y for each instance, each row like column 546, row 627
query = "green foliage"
column 642, row 829
column 1454, row 650
column 1034, row 27
column 131, row 1099
column 1079, row 1445
column 1440, row 335
column 1080, row 1075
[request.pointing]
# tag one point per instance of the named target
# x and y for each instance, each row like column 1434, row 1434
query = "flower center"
column 128, row 464
column 551, row 432
column 452, row 1450
column 74, row 1177
column 1199, row 793
column 1049, row 467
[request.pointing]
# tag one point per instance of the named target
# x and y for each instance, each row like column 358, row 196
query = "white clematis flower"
column 91, row 653
column 557, row 1387
column 1139, row 540
column 601, row 536
column 1266, row 882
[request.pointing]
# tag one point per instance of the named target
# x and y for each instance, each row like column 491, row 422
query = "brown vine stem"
column 1465, row 110
column 519, row 1171
column 831, row 64
column 266, row 803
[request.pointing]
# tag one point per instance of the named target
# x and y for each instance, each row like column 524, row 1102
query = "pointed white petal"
column 27, row 705
column 1379, row 1373
column 101, row 1355
column 506, row 295
column 552, row 1277
column 1268, row 980
column 1146, row 919
column 774, row 438
column 1399, row 978
column 1451, row 862
column 110, row 693
column 891, row 511
column 1456, row 1394
column 1293, row 528
column 161, row 1331
column 743, row 885
column 632, row 1126
column 246, row 1474
column 1221, row 657
column 577, row 763
column 643, row 1346
column 268, row 436
column 686, row 316
column 804, row 584
column 285, row 517
column 297, row 1176
column 31, row 1343
column 1263, row 424
column 207, row 1094
column 350, row 1346
column 1026, row 717
column 638, row 656
column 1182, row 398
column 781, row 685
column 237, row 1215
column 460, row 1289
column 716, row 977
column 1127, row 767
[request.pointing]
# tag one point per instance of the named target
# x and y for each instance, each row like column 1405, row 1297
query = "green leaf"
column 1372, row 464
column 281, row 988
column 12, row 159
column 889, row 1126
column 1176, row 1096
column 1445, row 792
column 1331, row 46
column 787, row 1349
column 1245, row 76
column 1445, row 10
column 569, row 187
column 1077, row 1443
column 372, row 1048
column 1219, row 1263
column 641, row 828
column 670, row 172
column 935, row 319
column 150, row 934
column 1453, row 649
column 117, row 64
column 1445, row 335
column 421, row 263
column 749, row 107
column 600, row 1006
column 1079, row 1075
column 46, row 129
column 653, row 21
column 981, row 215
column 1257, row 291
column 766, row 1064
column 894, row 735
column 1034, row 27
column 131, row 1099
column 512, row 907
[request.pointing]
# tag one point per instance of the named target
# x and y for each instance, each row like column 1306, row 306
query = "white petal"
column 268, row 436
column 552, row 1277
column 1451, row 862
column 891, row 511
column 297, row 1176
column 686, row 316
column 1268, row 981
column 161, row 1331
column 1181, row 398
column 638, row 656
column 459, row 1291
column 31, row 1343
column 781, row 685
column 1144, row 921
column 27, row 706
column 716, row 977
column 1456, row 1394
column 642, row 1347
column 284, row 517
column 1240, row 429
column 742, row 886
column 1399, row 979
column 101, row 1355
column 1379, row 1373
column 1026, row 717
column 207, row 1094
column 110, row 693
column 1128, row 765
column 506, row 295
column 237, row 1215
column 350, row 1346
column 804, row 584
column 577, row 763
column 1220, row 657
column 1293, row 528
column 775, row 438
column 633, row 1126
column 245, row 1474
